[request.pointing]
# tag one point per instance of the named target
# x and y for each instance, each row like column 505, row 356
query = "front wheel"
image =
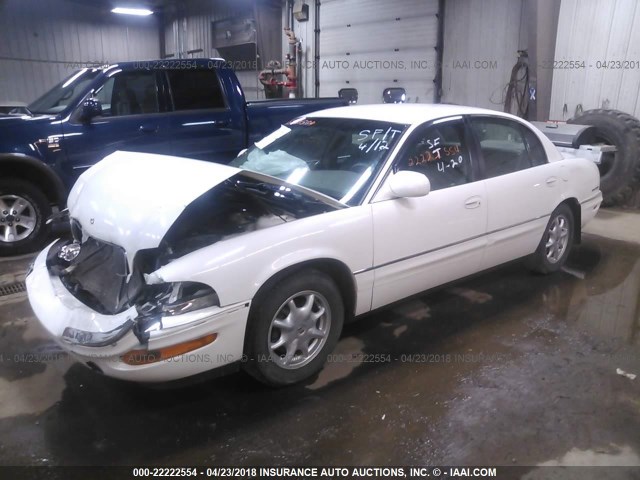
column 23, row 213
column 293, row 327
column 556, row 243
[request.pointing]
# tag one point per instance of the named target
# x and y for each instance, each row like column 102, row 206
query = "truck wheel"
column 293, row 328
column 24, row 210
column 619, row 171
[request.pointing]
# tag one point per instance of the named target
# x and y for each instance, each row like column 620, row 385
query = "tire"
column 619, row 172
column 548, row 258
column 274, row 336
column 24, row 231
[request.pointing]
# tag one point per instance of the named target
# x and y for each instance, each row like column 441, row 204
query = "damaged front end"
column 110, row 280
column 98, row 275
column 101, row 295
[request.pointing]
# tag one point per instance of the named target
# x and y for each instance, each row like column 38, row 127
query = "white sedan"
column 179, row 266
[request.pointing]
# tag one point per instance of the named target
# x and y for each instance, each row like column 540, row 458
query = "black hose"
column 518, row 86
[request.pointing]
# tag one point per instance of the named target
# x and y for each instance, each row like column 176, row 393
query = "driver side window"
column 129, row 93
column 440, row 152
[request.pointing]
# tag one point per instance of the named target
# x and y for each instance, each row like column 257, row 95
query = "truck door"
column 132, row 119
column 202, row 123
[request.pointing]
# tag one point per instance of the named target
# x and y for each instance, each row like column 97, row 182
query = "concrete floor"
column 508, row 368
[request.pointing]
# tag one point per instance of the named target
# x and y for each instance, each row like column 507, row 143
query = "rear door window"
column 507, row 146
column 195, row 89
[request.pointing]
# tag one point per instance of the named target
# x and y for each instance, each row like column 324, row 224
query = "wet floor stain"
column 31, row 395
column 612, row 455
column 506, row 368
column 343, row 360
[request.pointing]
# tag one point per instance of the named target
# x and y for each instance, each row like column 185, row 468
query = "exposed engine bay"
column 99, row 274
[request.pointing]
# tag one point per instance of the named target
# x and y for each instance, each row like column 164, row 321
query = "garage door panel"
column 356, row 12
column 371, row 45
column 371, row 91
column 422, row 31
column 418, row 66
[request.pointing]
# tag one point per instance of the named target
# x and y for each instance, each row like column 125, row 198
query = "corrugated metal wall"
column 43, row 42
column 375, row 44
column 605, row 35
column 481, row 41
column 190, row 24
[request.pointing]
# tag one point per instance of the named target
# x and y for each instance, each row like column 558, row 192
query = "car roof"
column 405, row 113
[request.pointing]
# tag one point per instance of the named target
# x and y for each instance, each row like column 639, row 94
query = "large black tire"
column 619, row 173
column 542, row 260
column 32, row 210
column 269, row 313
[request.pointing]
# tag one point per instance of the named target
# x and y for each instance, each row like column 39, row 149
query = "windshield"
column 63, row 94
column 338, row 157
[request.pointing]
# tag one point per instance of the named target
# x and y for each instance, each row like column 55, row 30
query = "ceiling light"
column 143, row 12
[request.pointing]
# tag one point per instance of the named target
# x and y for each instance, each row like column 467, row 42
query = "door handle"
column 221, row 123
column 551, row 181
column 148, row 128
column 472, row 202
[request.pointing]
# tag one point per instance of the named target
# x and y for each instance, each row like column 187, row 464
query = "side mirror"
column 90, row 108
column 405, row 184
column 394, row 95
column 349, row 94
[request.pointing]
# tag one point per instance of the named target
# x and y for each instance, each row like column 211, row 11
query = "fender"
column 52, row 186
column 342, row 237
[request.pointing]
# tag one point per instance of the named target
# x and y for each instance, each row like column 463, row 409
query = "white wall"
column 593, row 31
column 43, row 42
column 481, row 43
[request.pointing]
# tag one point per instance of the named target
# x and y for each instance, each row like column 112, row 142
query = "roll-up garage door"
column 371, row 45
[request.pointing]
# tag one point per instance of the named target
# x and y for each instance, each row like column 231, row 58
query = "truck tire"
column 620, row 171
column 24, row 210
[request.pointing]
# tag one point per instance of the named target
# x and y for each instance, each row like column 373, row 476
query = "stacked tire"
column 620, row 174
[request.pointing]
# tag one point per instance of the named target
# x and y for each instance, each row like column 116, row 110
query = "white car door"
column 426, row 241
column 522, row 188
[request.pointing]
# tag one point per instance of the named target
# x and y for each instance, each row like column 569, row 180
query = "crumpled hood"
column 131, row 199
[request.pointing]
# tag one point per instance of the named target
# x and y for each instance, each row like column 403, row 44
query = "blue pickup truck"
column 192, row 108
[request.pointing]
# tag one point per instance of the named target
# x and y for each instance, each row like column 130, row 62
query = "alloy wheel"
column 299, row 329
column 18, row 218
column 558, row 238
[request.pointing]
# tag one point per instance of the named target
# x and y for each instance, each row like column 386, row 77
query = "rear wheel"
column 293, row 327
column 556, row 243
column 23, row 213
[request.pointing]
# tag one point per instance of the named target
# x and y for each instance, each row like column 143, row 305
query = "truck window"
column 64, row 94
column 195, row 89
column 129, row 93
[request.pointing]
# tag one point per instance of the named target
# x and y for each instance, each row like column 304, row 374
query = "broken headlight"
column 178, row 298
